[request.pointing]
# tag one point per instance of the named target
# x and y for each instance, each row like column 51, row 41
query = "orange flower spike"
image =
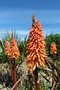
column 53, row 48
column 7, row 49
column 36, row 46
column 14, row 49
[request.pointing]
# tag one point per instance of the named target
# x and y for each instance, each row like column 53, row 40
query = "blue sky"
column 15, row 15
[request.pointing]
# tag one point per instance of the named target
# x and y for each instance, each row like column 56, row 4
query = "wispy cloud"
column 20, row 21
column 21, row 33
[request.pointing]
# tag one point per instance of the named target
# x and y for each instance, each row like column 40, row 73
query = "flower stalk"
column 12, row 52
column 35, row 50
column 53, row 52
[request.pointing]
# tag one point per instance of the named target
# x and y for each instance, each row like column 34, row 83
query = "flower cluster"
column 36, row 52
column 11, row 49
column 53, row 48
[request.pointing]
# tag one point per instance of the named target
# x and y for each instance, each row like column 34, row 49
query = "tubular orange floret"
column 53, row 48
column 11, row 50
column 35, row 47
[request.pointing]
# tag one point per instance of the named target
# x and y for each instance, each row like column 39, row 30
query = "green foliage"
column 3, row 58
column 28, row 84
column 1, row 47
column 58, row 86
column 49, row 39
column 42, row 85
column 1, row 44
column 22, row 46
column 7, row 37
